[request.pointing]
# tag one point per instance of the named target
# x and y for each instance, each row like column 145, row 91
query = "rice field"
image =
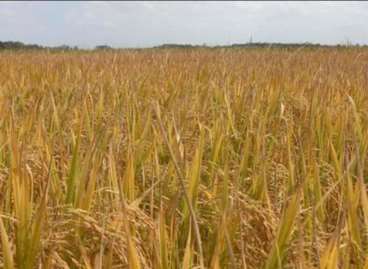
column 200, row 158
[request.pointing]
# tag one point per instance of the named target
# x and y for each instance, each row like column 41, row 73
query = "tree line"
column 16, row 45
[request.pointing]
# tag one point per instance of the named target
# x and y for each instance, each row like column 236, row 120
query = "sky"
column 145, row 24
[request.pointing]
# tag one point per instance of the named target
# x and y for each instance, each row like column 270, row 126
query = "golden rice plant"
column 171, row 158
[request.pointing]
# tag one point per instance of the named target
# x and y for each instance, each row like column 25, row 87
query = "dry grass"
column 184, row 159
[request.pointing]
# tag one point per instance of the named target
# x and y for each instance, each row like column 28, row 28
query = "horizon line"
column 204, row 44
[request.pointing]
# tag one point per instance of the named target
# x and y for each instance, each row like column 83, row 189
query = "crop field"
column 175, row 158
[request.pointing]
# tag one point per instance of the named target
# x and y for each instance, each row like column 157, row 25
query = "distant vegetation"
column 103, row 47
column 259, row 45
column 16, row 45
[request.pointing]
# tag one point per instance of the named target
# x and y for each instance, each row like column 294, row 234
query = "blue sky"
column 143, row 24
